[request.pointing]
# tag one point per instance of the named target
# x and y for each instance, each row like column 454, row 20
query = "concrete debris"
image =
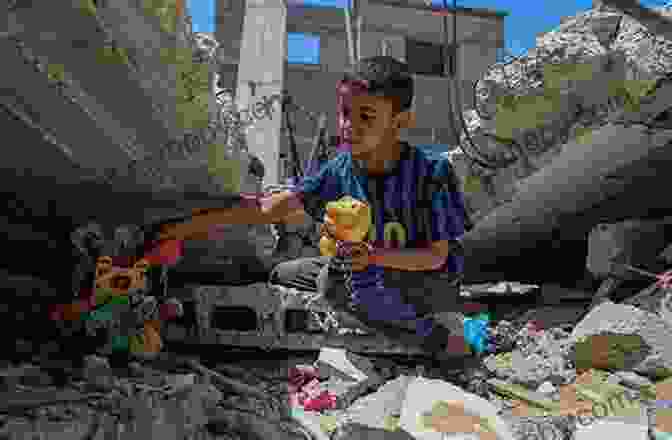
column 540, row 355
column 633, row 379
column 362, row 432
column 503, row 289
column 337, row 361
column 546, row 388
column 608, row 48
column 376, row 409
column 648, row 299
column 504, row 336
column 561, row 428
column 612, row 429
column 634, row 242
column 576, row 40
column 185, row 404
column 611, row 318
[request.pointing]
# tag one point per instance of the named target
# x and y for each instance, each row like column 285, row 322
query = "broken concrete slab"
column 619, row 319
column 634, row 242
column 374, row 409
column 339, row 362
column 609, row 351
column 648, row 299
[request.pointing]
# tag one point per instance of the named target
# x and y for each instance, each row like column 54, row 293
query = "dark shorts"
column 429, row 293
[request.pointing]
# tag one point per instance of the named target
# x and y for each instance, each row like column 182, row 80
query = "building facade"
column 408, row 30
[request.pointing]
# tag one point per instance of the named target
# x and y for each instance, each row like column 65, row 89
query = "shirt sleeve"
column 317, row 189
column 448, row 208
column 449, row 214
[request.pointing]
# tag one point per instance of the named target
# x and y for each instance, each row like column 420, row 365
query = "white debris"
column 611, row 429
column 337, row 358
column 546, row 388
column 421, row 396
column 374, row 409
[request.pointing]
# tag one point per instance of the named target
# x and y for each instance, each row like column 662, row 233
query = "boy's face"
column 370, row 123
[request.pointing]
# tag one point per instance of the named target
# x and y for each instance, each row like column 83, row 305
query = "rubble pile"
column 562, row 376
column 536, row 380
column 596, row 32
column 572, row 383
column 524, row 111
column 170, row 398
column 539, row 356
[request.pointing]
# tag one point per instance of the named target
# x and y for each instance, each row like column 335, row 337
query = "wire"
column 318, row 153
column 297, row 170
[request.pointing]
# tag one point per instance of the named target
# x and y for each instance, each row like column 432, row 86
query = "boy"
column 418, row 211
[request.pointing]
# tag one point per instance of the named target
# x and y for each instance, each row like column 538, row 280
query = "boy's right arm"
column 256, row 209
column 253, row 210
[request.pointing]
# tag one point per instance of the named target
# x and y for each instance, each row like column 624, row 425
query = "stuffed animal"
column 346, row 220
column 120, row 302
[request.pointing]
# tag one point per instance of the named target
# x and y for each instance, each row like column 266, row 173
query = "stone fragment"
column 651, row 358
column 546, row 388
column 633, row 242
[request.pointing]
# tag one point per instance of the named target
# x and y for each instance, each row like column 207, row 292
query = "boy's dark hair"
column 385, row 76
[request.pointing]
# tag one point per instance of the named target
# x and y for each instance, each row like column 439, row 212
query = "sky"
column 526, row 19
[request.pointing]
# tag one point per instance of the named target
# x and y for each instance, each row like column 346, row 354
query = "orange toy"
column 121, row 280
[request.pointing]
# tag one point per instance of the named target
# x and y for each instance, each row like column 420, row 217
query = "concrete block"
column 633, row 242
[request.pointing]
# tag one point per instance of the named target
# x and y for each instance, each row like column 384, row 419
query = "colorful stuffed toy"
column 346, row 220
column 119, row 302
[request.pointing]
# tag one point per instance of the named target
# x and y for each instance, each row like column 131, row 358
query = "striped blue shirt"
column 416, row 203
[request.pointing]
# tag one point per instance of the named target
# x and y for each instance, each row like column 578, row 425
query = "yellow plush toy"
column 346, row 219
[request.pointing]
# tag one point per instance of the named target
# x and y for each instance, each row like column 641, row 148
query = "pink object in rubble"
column 325, row 400
column 299, row 376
